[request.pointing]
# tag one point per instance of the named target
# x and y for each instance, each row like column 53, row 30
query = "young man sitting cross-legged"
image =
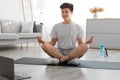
column 66, row 34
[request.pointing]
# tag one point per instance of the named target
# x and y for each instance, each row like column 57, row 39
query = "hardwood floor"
column 39, row 72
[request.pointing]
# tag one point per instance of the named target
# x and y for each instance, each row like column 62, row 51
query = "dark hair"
column 67, row 5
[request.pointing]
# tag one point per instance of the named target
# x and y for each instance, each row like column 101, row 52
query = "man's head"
column 67, row 11
column 67, row 5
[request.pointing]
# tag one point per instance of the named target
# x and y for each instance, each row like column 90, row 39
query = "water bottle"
column 102, row 50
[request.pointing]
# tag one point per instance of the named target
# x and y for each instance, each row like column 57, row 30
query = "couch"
column 17, row 32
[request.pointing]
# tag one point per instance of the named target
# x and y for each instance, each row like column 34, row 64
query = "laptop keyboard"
column 21, row 76
column 3, row 78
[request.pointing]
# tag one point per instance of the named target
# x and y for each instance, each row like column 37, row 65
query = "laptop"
column 7, row 70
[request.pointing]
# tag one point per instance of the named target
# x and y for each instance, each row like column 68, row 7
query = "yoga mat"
column 83, row 63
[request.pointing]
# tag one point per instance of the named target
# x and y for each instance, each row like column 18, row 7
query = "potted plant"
column 95, row 10
column 41, row 23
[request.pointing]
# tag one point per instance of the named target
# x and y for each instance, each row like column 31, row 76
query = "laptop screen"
column 7, row 68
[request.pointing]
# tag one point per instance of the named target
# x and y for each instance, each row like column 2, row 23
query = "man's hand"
column 90, row 40
column 40, row 40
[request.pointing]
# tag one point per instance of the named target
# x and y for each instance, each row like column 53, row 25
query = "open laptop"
column 7, row 70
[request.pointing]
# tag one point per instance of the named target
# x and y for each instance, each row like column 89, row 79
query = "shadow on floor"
column 9, row 47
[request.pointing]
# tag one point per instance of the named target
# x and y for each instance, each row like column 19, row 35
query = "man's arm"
column 80, row 41
column 53, row 41
column 40, row 40
column 90, row 40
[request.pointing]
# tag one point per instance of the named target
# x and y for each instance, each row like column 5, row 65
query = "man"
column 65, row 34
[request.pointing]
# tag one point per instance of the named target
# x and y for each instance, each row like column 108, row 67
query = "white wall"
column 111, row 8
column 11, row 9
column 52, row 12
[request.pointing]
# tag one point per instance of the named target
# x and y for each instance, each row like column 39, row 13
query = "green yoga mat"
column 83, row 63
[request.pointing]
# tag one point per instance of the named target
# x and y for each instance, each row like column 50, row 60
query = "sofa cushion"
column 8, row 26
column 29, row 35
column 34, row 27
column 27, row 27
column 39, row 28
column 9, row 36
column 0, row 28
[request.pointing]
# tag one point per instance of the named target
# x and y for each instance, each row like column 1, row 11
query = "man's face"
column 66, row 14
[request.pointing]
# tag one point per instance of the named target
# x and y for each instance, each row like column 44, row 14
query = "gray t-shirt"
column 66, row 34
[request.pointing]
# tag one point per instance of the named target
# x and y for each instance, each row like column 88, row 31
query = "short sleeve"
column 53, row 33
column 80, row 32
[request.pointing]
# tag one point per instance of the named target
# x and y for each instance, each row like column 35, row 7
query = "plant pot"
column 95, row 16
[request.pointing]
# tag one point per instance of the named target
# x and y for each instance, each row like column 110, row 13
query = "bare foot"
column 65, row 58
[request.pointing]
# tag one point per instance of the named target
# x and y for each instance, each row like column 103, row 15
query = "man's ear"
column 72, row 12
